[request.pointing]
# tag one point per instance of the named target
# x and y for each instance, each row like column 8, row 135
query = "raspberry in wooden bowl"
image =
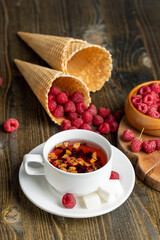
column 142, row 107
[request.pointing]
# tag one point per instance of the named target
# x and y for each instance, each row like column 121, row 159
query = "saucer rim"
column 90, row 212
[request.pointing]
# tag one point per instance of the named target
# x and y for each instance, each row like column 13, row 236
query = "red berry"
column 77, row 122
column 157, row 144
column 68, row 200
column 54, row 91
column 104, row 112
column 71, row 116
column 144, row 90
column 70, row 106
column 114, row 175
column 77, row 97
column 143, row 108
column 153, row 107
column 158, row 108
column 92, row 109
column 11, row 125
column 52, row 105
column 58, row 112
column 86, row 126
column 148, row 99
column 149, row 146
column 114, row 126
column 66, row 124
column 155, row 87
column 62, row 98
column 67, row 93
column 104, row 128
column 87, row 117
column 1, row 81
column 119, row 114
column 153, row 113
column 136, row 100
column 128, row 135
column 80, row 107
column 155, row 96
column 136, row 145
column 51, row 98
column 97, row 132
column 72, row 128
column 111, row 118
column 97, row 120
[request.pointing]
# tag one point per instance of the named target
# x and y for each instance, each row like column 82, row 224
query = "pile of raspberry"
column 147, row 100
column 78, row 116
column 137, row 144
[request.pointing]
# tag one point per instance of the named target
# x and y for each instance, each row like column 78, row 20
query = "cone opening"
column 93, row 65
column 72, row 84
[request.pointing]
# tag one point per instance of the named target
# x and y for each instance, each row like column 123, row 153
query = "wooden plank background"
column 129, row 29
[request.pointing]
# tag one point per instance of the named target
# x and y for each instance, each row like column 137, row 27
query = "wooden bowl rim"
column 135, row 89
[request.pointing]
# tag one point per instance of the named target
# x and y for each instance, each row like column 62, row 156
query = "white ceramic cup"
column 65, row 182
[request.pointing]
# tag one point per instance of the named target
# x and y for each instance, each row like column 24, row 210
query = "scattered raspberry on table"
column 11, row 125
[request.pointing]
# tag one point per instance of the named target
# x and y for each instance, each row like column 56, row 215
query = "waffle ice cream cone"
column 91, row 63
column 41, row 79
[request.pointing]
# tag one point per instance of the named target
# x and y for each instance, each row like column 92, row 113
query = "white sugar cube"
column 111, row 190
column 92, row 201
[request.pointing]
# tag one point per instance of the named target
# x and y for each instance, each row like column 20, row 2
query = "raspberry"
column 136, row 100
column 51, row 98
column 155, row 96
column 153, row 113
column 158, row 108
column 128, row 135
column 149, row 146
column 71, row 116
column 77, row 122
column 157, row 144
column 52, row 105
column 70, row 106
column 87, row 117
column 155, row 87
column 143, row 108
column 58, row 112
column 97, row 120
column 114, row 126
column 54, row 91
column 86, row 126
column 66, row 124
column 68, row 200
column 114, row 175
column 1, row 81
column 111, row 118
column 119, row 114
column 136, row 145
column 80, row 107
column 92, row 109
column 148, row 99
column 153, row 107
column 67, row 93
column 104, row 128
column 11, row 125
column 144, row 90
column 104, row 112
column 77, row 97
column 72, row 128
column 62, row 98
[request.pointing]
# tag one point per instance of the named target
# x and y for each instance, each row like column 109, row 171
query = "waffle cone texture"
column 41, row 79
column 91, row 63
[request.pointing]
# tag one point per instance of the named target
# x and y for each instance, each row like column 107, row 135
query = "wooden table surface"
column 130, row 31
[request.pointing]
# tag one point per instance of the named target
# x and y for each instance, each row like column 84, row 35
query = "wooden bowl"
column 139, row 120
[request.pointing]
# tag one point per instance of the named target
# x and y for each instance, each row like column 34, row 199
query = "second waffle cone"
column 41, row 79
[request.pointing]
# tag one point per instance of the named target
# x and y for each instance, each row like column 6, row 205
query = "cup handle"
column 33, row 158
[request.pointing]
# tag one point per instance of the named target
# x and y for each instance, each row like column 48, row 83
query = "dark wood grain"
column 130, row 30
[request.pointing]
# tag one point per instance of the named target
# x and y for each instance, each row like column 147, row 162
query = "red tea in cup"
column 78, row 156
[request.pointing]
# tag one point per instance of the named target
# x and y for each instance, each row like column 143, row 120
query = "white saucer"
column 44, row 196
